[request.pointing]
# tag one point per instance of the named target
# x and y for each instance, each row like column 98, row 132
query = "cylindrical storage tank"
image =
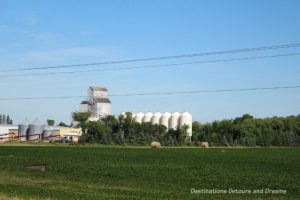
column 186, row 119
column 147, row 118
column 174, row 120
column 35, row 130
column 164, row 120
column 47, row 132
column 139, row 117
column 156, row 117
column 23, row 129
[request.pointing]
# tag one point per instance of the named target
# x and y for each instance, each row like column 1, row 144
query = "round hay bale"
column 204, row 144
column 155, row 145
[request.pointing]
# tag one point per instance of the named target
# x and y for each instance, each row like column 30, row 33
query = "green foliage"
column 5, row 119
column 62, row 124
column 241, row 131
column 250, row 131
column 50, row 122
column 81, row 118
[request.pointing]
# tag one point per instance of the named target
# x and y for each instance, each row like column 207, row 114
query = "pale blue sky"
column 49, row 33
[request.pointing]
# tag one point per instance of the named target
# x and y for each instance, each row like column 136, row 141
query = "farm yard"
column 94, row 172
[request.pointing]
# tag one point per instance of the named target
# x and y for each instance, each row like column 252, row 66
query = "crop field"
column 143, row 173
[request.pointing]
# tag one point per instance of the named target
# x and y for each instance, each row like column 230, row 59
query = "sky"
column 54, row 33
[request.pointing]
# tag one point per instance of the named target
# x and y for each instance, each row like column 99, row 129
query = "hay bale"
column 204, row 144
column 155, row 145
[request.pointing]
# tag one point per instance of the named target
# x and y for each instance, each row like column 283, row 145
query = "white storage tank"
column 23, row 129
column 164, row 120
column 35, row 130
column 147, row 118
column 186, row 119
column 47, row 133
column 139, row 117
column 174, row 120
column 156, row 118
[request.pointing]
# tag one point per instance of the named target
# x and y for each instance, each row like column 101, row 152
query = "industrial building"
column 97, row 103
column 36, row 131
column 171, row 121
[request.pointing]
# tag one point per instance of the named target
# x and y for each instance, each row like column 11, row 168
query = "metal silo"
column 23, row 129
column 47, row 132
column 186, row 119
column 156, row 117
column 147, row 118
column 174, row 120
column 35, row 130
column 164, row 120
column 139, row 117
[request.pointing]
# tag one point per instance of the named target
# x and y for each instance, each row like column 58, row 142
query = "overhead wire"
column 158, row 93
column 151, row 66
column 264, row 48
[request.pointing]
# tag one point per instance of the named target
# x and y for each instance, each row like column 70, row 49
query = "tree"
column 62, row 124
column 99, row 132
column 8, row 119
column 50, row 122
column 3, row 119
column 82, row 118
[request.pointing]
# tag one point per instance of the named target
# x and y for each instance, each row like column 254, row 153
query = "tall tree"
column 81, row 118
column 50, row 122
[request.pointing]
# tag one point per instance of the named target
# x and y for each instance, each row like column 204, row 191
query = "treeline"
column 124, row 130
column 5, row 119
column 250, row 131
column 241, row 131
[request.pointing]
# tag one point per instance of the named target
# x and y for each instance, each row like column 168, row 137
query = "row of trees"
column 124, row 130
column 5, row 119
column 241, row 131
column 51, row 122
column 250, row 131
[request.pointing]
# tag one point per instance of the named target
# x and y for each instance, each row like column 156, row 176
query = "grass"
column 143, row 173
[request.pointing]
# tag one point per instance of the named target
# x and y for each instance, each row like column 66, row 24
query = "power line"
column 151, row 66
column 161, row 58
column 159, row 93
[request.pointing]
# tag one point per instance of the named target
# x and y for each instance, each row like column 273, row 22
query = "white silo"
column 174, row 120
column 23, row 130
column 35, row 130
column 156, row 118
column 147, row 118
column 139, row 117
column 164, row 120
column 186, row 119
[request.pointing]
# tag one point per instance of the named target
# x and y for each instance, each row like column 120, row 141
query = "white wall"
column 103, row 109
column 4, row 129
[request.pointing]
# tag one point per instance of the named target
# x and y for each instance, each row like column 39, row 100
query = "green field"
column 144, row 173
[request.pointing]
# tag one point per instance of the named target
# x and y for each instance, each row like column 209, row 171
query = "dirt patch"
column 38, row 168
column 6, row 156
